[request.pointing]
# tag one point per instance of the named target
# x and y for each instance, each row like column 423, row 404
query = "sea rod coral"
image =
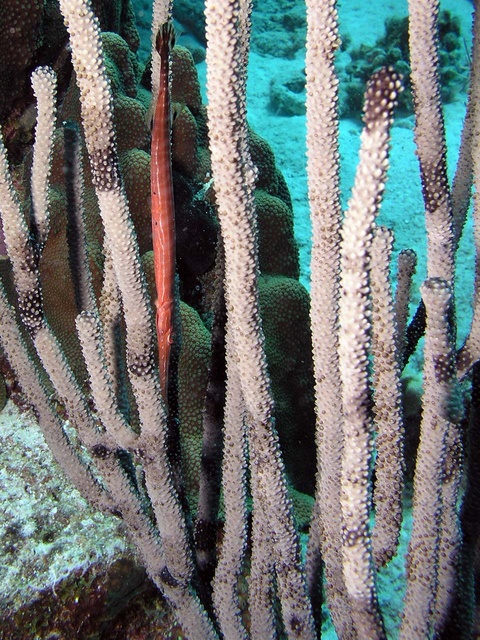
column 359, row 340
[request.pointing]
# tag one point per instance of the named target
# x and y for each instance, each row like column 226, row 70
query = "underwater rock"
column 191, row 14
column 392, row 49
column 279, row 26
column 356, row 66
column 287, row 98
column 67, row 571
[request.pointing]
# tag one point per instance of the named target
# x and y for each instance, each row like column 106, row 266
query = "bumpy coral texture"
column 22, row 21
column 277, row 247
column 285, row 307
column 284, row 302
column 194, row 357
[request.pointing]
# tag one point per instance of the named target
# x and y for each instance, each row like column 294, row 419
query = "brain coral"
column 131, row 123
column 135, row 165
column 118, row 17
column 121, row 64
column 185, row 83
column 192, row 383
column 278, row 251
column 193, row 365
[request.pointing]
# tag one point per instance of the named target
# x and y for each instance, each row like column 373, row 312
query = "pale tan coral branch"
column 430, row 137
column 354, row 343
column 387, row 408
column 440, row 417
column 97, row 119
column 234, row 482
column 44, row 87
column 52, row 428
column 227, row 27
column 354, row 334
column 407, row 262
column 470, row 351
column 324, row 197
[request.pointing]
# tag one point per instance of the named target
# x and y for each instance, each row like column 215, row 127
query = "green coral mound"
column 285, row 309
column 392, row 50
column 356, row 66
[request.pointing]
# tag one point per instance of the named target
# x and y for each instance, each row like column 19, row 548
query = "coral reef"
column 356, row 65
column 103, row 602
column 118, row 433
column 284, row 302
column 285, row 308
column 392, row 49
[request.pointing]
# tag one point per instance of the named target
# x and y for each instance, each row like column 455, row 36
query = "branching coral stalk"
column 406, row 265
column 430, row 137
column 470, row 351
column 174, row 573
column 76, row 233
column 325, row 211
column 438, row 438
column 389, row 467
column 357, row 232
column 234, row 175
column 43, row 84
column 97, row 119
column 14, row 346
column 234, row 469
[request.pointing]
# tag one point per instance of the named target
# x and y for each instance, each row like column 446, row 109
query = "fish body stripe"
column 162, row 205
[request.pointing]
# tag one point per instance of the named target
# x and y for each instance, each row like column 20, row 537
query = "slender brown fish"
column 163, row 211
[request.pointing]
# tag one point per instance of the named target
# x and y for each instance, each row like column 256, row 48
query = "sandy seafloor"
column 51, row 529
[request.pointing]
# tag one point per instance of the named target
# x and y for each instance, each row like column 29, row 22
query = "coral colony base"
column 283, row 480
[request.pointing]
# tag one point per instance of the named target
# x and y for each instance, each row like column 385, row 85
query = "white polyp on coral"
column 96, row 99
column 44, row 87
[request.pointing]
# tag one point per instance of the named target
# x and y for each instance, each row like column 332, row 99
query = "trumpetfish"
column 162, row 205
